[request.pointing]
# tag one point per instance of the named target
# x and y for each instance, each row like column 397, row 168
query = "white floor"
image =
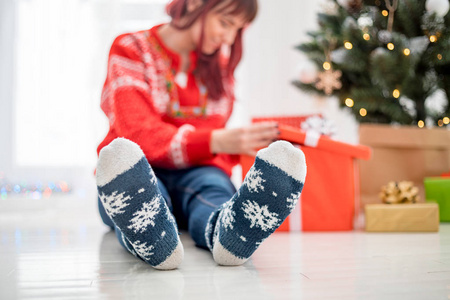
column 58, row 249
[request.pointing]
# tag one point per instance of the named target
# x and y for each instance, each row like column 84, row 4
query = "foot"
column 267, row 196
column 128, row 190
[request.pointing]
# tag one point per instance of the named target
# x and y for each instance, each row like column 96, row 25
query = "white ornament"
column 436, row 102
column 307, row 72
column 338, row 56
column 408, row 105
column 418, row 45
column 440, row 7
column 365, row 21
column 350, row 23
column 384, row 36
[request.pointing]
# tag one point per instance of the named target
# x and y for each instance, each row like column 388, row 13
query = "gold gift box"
column 394, row 148
column 418, row 217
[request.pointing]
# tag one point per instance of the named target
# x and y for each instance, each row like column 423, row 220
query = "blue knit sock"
column 128, row 190
column 267, row 196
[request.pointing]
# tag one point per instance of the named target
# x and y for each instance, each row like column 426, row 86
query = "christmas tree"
column 387, row 60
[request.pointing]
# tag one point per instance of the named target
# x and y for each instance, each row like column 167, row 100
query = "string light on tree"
column 396, row 93
column 349, row 102
column 376, row 50
column 421, row 124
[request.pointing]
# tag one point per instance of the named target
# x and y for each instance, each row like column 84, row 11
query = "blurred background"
column 53, row 56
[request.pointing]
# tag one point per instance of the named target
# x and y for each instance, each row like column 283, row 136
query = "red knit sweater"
column 135, row 99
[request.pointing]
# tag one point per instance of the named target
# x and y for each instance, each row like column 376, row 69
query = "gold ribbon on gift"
column 399, row 192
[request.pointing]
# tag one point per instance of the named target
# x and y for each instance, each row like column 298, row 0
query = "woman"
column 168, row 95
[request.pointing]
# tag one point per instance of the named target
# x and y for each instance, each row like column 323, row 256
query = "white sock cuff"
column 285, row 156
column 116, row 158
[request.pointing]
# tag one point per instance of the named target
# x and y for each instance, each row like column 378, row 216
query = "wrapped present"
column 437, row 189
column 295, row 122
column 418, row 217
column 402, row 153
column 330, row 194
column 314, row 122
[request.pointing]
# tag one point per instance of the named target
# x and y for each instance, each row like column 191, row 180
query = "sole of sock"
column 267, row 196
column 128, row 190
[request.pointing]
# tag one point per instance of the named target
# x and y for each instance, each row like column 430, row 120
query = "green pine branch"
column 374, row 76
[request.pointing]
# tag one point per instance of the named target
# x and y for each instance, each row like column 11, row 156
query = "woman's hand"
column 246, row 140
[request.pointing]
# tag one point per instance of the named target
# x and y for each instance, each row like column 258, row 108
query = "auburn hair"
column 213, row 68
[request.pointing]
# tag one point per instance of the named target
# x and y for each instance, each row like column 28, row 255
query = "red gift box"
column 330, row 193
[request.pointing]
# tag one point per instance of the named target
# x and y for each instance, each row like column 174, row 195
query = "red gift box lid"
column 289, row 127
column 324, row 143
column 293, row 121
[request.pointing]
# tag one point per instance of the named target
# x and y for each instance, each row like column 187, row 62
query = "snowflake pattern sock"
column 267, row 196
column 128, row 190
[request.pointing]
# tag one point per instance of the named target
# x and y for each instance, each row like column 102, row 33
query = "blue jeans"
column 192, row 195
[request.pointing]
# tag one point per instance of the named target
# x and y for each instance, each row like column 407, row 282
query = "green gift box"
column 437, row 189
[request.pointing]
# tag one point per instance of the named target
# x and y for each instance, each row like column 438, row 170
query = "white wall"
column 7, row 9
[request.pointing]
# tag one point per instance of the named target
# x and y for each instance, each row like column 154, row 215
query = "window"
column 61, row 55
column 53, row 68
